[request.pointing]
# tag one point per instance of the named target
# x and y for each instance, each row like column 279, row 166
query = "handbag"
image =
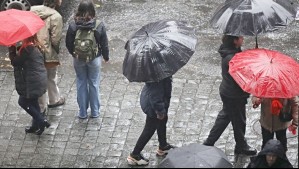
column 285, row 114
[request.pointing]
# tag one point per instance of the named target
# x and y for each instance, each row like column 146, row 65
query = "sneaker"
column 60, row 102
column 137, row 160
column 161, row 151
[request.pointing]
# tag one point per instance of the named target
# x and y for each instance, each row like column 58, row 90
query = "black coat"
column 100, row 36
column 155, row 97
column 228, row 86
column 29, row 71
column 273, row 147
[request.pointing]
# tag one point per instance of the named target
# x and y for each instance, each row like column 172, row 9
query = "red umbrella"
column 266, row 73
column 17, row 25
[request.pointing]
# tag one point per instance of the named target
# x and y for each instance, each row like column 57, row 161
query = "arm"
column 56, row 32
column 15, row 59
column 70, row 38
column 102, row 39
column 295, row 104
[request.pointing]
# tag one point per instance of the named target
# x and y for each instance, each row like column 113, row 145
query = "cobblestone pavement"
column 107, row 141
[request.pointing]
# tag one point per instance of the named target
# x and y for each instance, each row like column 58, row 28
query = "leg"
column 94, row 86
column 220, row 125
column 147, row 133
column 237, row 115
column 31, row 106
column 53, row 90
column 267, row 135
column 82, row 91
column 161, row 131
column 281, row 135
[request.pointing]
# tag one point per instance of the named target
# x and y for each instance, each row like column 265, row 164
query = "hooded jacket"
column 29, row 71
column 100, row 36
column 228, row 86
column 50, row 35
column 155, row 97
column 271, row 147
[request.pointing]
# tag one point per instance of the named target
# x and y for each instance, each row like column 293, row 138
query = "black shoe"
column 206, row 143
column 30, row 129
column 247, row 151
column 161, row 151
column 40, row 131
column 60, row 102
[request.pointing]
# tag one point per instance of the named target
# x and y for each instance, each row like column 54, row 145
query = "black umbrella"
column 158, row 50
column 195, row 156
column 252, row 17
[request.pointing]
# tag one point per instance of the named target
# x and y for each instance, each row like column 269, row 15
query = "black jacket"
column 29, row 71
column 228, row 86
column 155, row 97
column 100, row 36
column 273, row 147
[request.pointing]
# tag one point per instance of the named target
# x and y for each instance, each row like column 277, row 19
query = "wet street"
column 108, row 140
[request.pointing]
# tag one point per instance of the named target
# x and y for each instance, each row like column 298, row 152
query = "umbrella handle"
column 256, row 45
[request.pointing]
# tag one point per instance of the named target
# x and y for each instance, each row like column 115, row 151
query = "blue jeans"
column 88, row 81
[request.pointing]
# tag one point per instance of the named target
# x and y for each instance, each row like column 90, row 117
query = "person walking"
column 87, row 65
column 50, row 37
column 30, row 80
column 271, row 156
column 154, row 100
column 271, row 123
column 234, row 100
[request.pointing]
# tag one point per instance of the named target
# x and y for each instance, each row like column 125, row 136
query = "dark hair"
column 51, row 3
column 228, row 41
column 85, row 11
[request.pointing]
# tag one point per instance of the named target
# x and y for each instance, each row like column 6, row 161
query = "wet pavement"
column 107, row 141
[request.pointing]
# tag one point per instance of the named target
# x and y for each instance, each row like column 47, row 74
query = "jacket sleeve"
column 56, row 31
column 295, row 104
column 102, row 39
column 70, row 37
column 156, row 97
column 15, row 59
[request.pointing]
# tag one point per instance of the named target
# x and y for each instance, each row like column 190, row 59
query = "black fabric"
column 271, row 147
column 151, row 125
column 100, row 36
column 31, row 106
column 280, row 135
column 285, row 114
column 228, row 86
column 233, row 111
column 29, row 72
column 155, row 97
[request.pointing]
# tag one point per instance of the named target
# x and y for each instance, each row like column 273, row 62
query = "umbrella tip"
column 146, row 33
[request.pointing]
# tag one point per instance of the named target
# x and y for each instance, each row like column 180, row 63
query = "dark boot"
column 247, row 150
column 42, row 127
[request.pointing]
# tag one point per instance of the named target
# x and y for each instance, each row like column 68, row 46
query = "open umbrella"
column 252, row 17
column 17, row 25
column 158, row 50
column 195, row 156
column 265, row 73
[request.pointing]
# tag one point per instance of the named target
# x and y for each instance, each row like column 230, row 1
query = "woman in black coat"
column 272, row 156
column 154, row 101
column 30, row 80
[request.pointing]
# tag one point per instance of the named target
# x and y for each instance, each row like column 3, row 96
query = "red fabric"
column 265, row 73
column 276, row 107
column 17, row 25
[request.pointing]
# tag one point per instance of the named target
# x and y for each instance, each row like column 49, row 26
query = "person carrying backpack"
column 86, row 40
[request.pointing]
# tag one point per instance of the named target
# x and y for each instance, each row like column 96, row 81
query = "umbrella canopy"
column 195, row 156
column 265, row 73
column 158, row 50
column 18, row 25
column 252, row 17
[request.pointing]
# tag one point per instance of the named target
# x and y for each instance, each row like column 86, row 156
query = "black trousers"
column 281, row 135
column 234, row 111
column 151, row 125
column 31, row 106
